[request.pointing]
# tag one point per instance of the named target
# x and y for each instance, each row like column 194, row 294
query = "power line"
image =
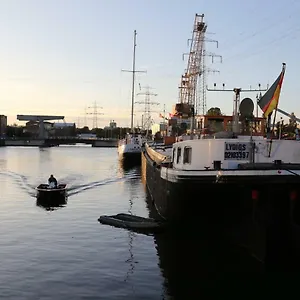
column 95, row 114
column 147, row 120
column 263, row 29
column 266, row 46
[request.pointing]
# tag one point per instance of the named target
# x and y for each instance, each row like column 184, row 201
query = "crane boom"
column 292, row 116
column 188, row 85
column 190, row 78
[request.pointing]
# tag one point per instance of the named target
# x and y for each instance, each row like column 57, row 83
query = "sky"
column 60, row 57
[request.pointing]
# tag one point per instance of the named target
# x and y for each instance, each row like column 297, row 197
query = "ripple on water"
column 66, row 253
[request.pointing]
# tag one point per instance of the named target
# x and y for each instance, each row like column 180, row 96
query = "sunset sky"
column 59, row 56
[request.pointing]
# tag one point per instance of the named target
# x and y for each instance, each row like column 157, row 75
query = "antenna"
column 147, row 120
column 237, row 92
column 95, row 114
column 133, row 71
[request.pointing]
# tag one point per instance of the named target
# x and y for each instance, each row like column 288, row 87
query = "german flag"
column 269, row 101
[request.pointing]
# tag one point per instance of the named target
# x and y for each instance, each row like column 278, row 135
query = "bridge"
column 40, row 119
column 44, row 140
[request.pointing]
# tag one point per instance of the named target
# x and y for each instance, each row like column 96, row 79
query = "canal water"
column 65, row 253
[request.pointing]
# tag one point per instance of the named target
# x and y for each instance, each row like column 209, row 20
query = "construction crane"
column 195, row 69
column 187, row 88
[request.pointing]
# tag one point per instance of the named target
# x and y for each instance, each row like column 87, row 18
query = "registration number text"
column 236, row 151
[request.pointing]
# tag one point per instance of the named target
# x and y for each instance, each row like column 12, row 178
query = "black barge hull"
column 254, row 212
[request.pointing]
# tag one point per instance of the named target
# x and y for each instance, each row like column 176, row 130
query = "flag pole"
column 273, row 125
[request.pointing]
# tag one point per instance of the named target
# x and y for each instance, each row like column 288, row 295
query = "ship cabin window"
column 174, row 153
column 178, row 154
column 187, row 155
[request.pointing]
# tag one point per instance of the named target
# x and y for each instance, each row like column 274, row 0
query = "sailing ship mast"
column 133, row 71
column 133, row 81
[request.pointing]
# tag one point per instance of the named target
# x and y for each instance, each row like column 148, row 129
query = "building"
column 32, row 128
column 64, row 129
column 3, row 125
column 162, row 127
column 53, row 129
column 112, row 125
column 225, row 123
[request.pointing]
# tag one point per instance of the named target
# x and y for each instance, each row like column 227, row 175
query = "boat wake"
column 21, row 181
column 76, row 189
column 72, row 181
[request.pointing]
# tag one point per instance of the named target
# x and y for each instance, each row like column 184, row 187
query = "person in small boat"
column 52, row 182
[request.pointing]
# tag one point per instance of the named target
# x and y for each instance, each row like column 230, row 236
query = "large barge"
column 240, row 177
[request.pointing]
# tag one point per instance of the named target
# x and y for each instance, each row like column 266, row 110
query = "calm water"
column 66, row 253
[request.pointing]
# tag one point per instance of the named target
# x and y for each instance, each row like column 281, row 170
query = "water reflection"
column 193, row 260
column 3, row 159
column 74, row 259
column 52, row 204
column 127, row 165
column 132, row 174
column 45, row 155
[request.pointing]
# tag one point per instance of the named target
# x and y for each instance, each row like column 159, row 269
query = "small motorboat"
column 131, row 222
column 45, row 192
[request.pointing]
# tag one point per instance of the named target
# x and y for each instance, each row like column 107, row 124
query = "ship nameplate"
column 237, row 151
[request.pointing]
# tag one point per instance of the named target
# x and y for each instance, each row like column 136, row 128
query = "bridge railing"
column 75, row 138
column 80, row 138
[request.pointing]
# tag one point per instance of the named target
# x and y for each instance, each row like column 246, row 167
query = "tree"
column 292, row 121
column 16, row 131
column 214, row 111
